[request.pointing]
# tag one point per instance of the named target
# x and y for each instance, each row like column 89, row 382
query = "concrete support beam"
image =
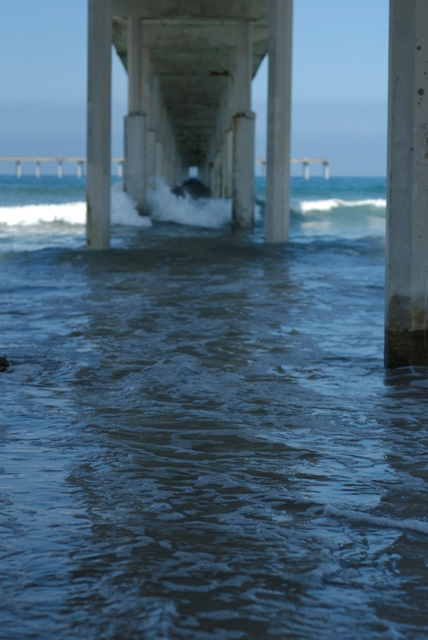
column 150, row 157
column 135, row 123
column 159, row 160
column 99, row 124
column 407, row 218
column 243, row 132
column 134, row 181
column 134, row 62
column 203, row 9
column 277, row 216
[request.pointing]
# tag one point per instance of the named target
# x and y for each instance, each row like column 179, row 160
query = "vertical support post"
column 120, row 170
column 306, row 171
column 38, row 172
column 406, row 331
column 326, row 167
column 60, row 171
column 243, row 131
column 279, row 121
column 135, row 121
column 79, row 169
column 159, row 160
column 18, row 169
column 99, row 124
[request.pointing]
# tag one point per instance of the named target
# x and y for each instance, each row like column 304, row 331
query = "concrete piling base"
column 135, row 160
column 243, row 170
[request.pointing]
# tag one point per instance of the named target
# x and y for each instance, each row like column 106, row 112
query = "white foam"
column 308, row 206
column 123, row 212
column 379, row 521
column 164, row 206
column 72, row 213
column 124, row 209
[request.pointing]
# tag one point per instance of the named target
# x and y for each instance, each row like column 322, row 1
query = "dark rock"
column 194, row 188
column 4, row 364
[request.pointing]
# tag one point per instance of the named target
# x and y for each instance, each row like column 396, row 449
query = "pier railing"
column 59, row 160
column 80, row 161
column 305, row 162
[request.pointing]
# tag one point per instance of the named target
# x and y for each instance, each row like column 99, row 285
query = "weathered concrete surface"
column 243, row 170
column 407, row 218
column 134, row 175
column 277, row 212
column 99, row 124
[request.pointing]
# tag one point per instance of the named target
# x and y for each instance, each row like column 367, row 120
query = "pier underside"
column 190, row 64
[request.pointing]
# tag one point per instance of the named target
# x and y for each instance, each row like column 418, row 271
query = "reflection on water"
column 198, row 440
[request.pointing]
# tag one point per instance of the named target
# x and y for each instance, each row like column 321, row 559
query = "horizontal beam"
column 203, row 37
column 203, row 9
column 185, row 62
column 299, row 160
column 50, row 159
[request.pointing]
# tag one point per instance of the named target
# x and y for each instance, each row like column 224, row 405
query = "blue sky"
column 340, row 53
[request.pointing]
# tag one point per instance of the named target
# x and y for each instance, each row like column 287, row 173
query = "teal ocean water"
column 198, row 439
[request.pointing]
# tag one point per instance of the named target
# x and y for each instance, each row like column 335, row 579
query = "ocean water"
column 198, row 439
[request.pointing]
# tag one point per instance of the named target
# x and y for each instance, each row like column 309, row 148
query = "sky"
column 340, row 60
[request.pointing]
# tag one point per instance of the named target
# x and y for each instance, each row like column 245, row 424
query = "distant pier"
column 81, row 161
column 305, row 162
column 59, row 160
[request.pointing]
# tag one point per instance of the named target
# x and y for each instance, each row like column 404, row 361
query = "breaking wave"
column 310, row 206
column 164, row 206
column 123, row 212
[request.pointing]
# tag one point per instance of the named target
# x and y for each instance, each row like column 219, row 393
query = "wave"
column 310, row 206
column 123, row 212
column 378, row 521
column 164, row 206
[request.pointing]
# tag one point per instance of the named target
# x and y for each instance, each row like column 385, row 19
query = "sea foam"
column 164, row 206
column 123, row 212
column 309, row 206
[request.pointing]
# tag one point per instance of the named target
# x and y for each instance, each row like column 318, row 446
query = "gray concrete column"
column 150, row 156
column 406, row 328
column 134, row 65
column 243, row 132
column 134, row 180
column 99, row 124
column 159, row 160
column 135, row 123
column 277, row 212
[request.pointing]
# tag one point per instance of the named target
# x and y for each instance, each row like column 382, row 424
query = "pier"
column 305, row 162
column 58, row 160
column 81, row 161
column 190, row 64
column 190, row 67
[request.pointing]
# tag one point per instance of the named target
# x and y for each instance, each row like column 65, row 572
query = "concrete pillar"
column 134, row 64
column 150, row 157
column 406, row 329
column 135, row 122
column 38, row 171
column 159, row 160
column 243, row 131
column 306, row 171
column 99, row 124
column 277, row 216
column 326, row 170
column 135, row 166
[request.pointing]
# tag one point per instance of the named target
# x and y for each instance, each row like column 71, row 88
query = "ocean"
column 198, row 439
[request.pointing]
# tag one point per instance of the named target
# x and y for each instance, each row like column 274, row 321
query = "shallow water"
column 198, row 439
